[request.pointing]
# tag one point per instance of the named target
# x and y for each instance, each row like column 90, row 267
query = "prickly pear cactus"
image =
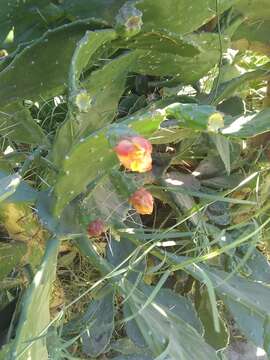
column 117, row 124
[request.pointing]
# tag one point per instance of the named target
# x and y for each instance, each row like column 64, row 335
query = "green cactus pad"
column 17, row 123
column 104, row 88
column 30, row 342
column 46, row 65
column 93, row 156
column 10, row 255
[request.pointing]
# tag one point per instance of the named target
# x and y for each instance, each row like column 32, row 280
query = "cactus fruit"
column 142, row 200
column 96, row 228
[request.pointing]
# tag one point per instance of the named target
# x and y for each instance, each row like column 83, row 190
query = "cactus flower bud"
column 143, row 201
column 129, row 20
column 215, row 122
column 135, row 154
column 3, row 53
column 96, row 228
column 82, row 101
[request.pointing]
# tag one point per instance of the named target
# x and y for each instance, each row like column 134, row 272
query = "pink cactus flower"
column 135, row 153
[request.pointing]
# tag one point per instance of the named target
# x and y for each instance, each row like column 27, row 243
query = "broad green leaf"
column 223, row 182
column 158, row 14
column 179, row 305
column 124, row 252
column 30, row 339
column 191, row 116
column 171, row 135
column 97, row 335
column 83, row 96
column 17, row 124
column 102, row 90
column 157, row 63
column 86, row 47
column 248, row 302
column 99, row 9
column 223, row 148
column 166, row 333
column 196, row 117
column 218, row 340
column 27, row 24
column 8, row 185
column 126, row 347
column 93, row 156
column 233, row 106
column 105, row 86
column 10, row 255
column 86, row 161
column 4, row 351
column 23, row 194
column 70, row 221
column 104, row 202
column 254, row 9
column 258, row 265
column 21, row 224
column 46, row 65
column 210, row 166
column 250, row 36
column 228, row 88
column 248, row 126
column 175, row 181
column 163, row 41
column 133, row 329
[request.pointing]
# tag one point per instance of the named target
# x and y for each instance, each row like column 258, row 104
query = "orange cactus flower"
column 143, row 201
column 96, row 228
column 135, row 153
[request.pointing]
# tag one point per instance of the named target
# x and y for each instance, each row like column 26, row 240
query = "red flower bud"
column 135, row 154
column 143, row 201
column 96, row 228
